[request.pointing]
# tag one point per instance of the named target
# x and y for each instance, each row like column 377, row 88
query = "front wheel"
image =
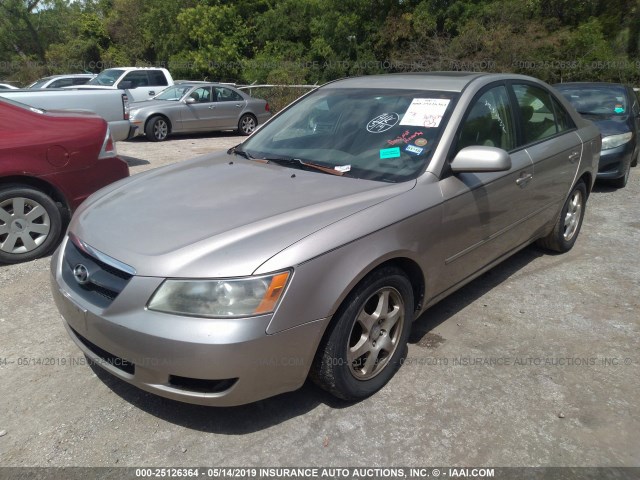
column 30, row 224
column 365, row 344
column 247, row 124
column 157, row 129
column 565, row 231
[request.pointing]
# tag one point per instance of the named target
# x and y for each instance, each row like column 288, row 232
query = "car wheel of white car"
column 367, row 341
column 157, row 129
column 30, row 224
column 247, row 124
column 565, row 231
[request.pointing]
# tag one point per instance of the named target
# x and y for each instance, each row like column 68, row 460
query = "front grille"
column 105, row 281
column 106, row 357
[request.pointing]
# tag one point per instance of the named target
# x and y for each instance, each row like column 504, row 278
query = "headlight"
column 613, row 141
column 234, row 297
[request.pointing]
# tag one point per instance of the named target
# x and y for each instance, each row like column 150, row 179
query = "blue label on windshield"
column 390, row 153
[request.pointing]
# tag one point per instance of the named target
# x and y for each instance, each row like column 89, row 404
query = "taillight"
column 108, row 149
column 266, row 107
column 125, row 106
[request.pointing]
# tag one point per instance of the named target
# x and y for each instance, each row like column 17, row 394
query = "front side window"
column 378, row 134
column 137, row 79
column 536, row 113
column 201, row 95
column 488, row 122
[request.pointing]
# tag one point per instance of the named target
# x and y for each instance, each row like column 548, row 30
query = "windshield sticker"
column 421, row 142
column 390, row 153
column 413, row 150
column 383, row 122
column 425, row 112
column 619, row 109
column 343, row 168
column 406, row 137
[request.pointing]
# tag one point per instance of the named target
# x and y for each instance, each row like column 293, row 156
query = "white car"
column 61, row 81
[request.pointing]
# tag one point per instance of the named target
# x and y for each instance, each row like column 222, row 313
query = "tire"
column 30, row 224
column 247, row 124
column 634, row 162
column 157, row 129
column 365, row 346
column 622, row 181
column 567, row 227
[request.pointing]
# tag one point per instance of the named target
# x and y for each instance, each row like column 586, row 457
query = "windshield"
column 385, row 135
column 173, row 93
column 39, row 83
column 607, row 100
column 107, row 77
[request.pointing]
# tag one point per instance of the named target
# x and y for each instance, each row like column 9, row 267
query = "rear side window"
column 563, row 119
column 536, row 113
column 63, row 82
column 227, row 95
column 157, row 78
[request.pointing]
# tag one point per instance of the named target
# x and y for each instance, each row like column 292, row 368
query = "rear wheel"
column 364, row 346
column 157, row 129
column 30, row 224
column 565, row 231
column 247, row 124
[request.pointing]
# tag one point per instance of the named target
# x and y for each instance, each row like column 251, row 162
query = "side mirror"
column 481, row 159
column 125, row 85
column 190, row 100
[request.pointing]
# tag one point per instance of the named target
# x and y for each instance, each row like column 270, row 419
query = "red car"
column 50, row 161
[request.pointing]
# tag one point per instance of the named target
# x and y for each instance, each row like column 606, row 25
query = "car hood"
column 217, row 216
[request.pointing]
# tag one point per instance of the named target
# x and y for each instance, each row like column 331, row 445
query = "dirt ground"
column 534, row 363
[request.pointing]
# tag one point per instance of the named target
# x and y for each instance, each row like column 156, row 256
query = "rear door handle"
column 152, row 92
column 573, row 156
column 524, row 179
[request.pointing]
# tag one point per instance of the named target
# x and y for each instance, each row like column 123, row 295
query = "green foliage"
column 313, row 41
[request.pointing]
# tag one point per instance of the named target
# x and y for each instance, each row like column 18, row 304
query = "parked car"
column 50, row 161
column 614, row 109
column 60, row 81
column 198, row 107
column 6, row 86
column 310, row 248
column 142, row 82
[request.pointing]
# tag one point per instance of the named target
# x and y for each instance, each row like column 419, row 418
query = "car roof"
column 588, row 84
column 68, row 75
column 438, row 81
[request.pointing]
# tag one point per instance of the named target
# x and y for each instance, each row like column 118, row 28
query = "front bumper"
column 613, row 162
column 218, row 362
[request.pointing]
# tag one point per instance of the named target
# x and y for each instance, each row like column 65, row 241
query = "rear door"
column 549, row 136
column 229, row 105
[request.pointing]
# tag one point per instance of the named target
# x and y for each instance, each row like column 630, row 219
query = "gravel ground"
column 534, row 363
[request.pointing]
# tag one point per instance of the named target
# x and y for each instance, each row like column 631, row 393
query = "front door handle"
column 152, row 92
column 524, row 179
column 211, row 107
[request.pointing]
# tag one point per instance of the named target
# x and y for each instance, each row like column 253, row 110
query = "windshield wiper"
column 238, row 151
column 304, row 163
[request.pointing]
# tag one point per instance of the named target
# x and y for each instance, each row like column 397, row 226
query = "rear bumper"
column 120, row 130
